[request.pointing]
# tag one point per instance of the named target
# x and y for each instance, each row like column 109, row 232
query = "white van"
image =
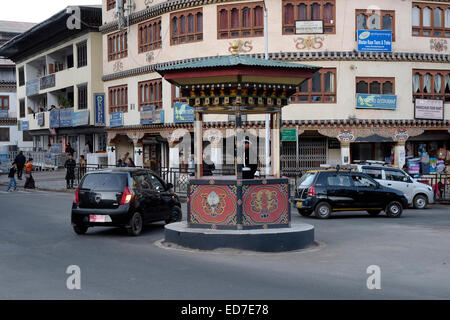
column 417, row 193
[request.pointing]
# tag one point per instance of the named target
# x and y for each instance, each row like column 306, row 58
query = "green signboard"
column 289, row 135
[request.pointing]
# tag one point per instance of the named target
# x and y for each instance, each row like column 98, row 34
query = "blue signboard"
column 375, row 40
column 147, row 114
column 54, row 119
column 183, row 113
column 65, row 117
column 32, row 87
column 40, row 119
column 25, row 126
column 376, row 101
column 4, row 113
column 80, row 118
column 4, row 163
column 116, row 119
column 99, row 99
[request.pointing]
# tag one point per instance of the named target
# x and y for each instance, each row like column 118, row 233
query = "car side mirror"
column 169, row 186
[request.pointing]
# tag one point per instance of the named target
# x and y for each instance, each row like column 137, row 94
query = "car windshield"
column 307, row 179
column 105, row 182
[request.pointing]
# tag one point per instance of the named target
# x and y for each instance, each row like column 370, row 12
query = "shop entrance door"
column 152, row 156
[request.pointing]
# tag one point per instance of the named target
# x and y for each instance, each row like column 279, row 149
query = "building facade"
column 383, row 92
column 58, row 71
column 10, row 136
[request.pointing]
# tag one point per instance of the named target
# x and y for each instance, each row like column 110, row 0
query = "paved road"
column 37, row 244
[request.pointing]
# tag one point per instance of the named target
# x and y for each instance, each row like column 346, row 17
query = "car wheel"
column 420, row 201
column 323, row 210
column 305, row 213
column 80, row 229
column 374, row 212
column 175, row 216
column 135, row 225
column 394, row 209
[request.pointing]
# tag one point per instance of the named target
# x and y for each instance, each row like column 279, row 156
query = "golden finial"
column 234, row 47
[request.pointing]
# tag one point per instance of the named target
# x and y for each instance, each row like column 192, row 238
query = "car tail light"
column 76, row 199
column 312, row 191
column 126, row 196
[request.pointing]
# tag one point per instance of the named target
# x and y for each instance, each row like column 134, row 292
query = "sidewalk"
column 44, row 180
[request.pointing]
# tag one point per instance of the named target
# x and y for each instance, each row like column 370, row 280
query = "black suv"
column 323, row 192
column 123, row 197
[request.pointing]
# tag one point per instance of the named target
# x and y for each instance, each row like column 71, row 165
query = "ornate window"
column 150, row 93
column 431, row 20
column 4, row 102
column 372, row 85
column 305, row 10
column 117, row 45
column 186, row 26
column 321, row 88
column 150, row 35
column 118, row 99
column 431, row 84
column 177, row 95
column 240, row 20
column 375, row 20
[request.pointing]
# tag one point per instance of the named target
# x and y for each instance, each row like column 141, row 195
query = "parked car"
column 325, row 191
column 123, row 197
column 417, row 193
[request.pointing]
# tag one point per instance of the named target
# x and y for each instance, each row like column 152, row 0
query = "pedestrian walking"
column 130, row 163
column 20, row 163
column 29, row 182
column 70, row 174
column 12, row 177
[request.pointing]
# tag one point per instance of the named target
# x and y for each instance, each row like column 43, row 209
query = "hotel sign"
column 429, row 109
column 309, row 27
column 376, row 101
column 375, row 40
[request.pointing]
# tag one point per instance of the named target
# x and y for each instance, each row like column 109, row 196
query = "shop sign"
column 309, row 27
column 40, row 119
column 429, row 109
column 32, row 87
column 183, row 113
column 151, row 116
column 289, row 135
column 80, row 118
column 346, row 136
column 116, row 119
column 65, row 117
column 375, row 40
column 54, row 118
column 4, row 113
column 99, row 100
column 376, row 101
column 48, row 82
column 333, row 143
column 25, row 126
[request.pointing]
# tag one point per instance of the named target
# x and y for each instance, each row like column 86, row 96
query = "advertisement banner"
column 25, row 126
column 80, row 118
column 4, row 113
column 65, row 117
column 99, row 99
column 116, row 119
column 289, row 135
column 151, row 116
column 182, row 112
column 32, row 87
column 429, row 109
column 40, row 119
column 54, row 119
column 376, row 101
column 375, row 40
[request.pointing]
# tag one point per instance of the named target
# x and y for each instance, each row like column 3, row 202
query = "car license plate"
column 99, row 218
column 299, row 204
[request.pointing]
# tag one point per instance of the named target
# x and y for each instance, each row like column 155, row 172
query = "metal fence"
column 42, row 160
column 440, row 182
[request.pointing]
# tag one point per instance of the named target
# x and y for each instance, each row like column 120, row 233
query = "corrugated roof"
column 235, row 60
column 15, row 26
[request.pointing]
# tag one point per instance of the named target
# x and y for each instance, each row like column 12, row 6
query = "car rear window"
column 105, row 182
column 374, row 173
column 307, row 179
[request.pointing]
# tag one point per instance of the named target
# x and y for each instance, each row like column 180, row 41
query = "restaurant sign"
column 376, row 101
column 429, row 109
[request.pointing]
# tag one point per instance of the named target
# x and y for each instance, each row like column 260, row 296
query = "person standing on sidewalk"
column 29, row 182
column 70, row 175
column 20, row 163
column 83, row 166
column 11, row 176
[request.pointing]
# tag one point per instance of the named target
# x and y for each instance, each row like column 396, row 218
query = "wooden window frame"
column 122, row 91
column 111, row 4
column 83, row 61
column 438, row 96
column 177, row 99
column 254, row 30
column 2, row 104
column 445, row 32
column 382, row 13
column 381, row 80
column 158, row 103
column 117, row 39
column 197, row 34
column 308, row 4
column 323, row 94
column 8, row 135
column 148, row 45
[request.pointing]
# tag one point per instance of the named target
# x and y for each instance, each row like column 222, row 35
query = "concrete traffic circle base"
column 297, row 237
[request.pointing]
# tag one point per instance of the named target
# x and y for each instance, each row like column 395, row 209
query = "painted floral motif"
column 264, row 202
column 438, row 45
column 213, row 204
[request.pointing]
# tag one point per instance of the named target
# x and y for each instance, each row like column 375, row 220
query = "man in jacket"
column 20, row 163
column 11, row 176
column 70, row 175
